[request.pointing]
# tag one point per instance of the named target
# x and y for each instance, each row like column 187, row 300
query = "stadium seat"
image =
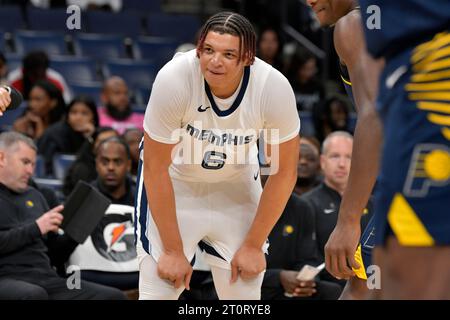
column 139, row 108
column 55, row 184
column 307, row 124
column 39, row 170
column 135, row 73
column 158, row 49
column 142, row 94
column 153, row 6
column 181, row 27
column 75, row 69
column 51, row 19
column 99, row 46
column 13, row 61
column 61, row 163
column 11, row 18
column 124, row 23
column 92, row 89
column 2, row 41
column 8, row 118
column 52, row 43
column 352, row 121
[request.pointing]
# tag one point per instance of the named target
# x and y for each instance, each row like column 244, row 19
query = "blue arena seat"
column 11, row 18
column 142, row 94
column 55, row 184
column 124, row 23
column 2, row 41
column 61, row 163
column 39, row 170
column 99, row 46
column 307, row 126
column 158, row 49
column 92, row 89
column 153, row 6
column 51, row 19
column 75, row 69
column 14, row 61
column 181, row 27
column 8, row 118
column 135, row 73
column 53, row 43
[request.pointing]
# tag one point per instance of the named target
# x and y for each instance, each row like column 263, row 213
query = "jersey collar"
column 236, row 103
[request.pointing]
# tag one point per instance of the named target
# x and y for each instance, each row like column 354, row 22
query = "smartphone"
column 308, row 272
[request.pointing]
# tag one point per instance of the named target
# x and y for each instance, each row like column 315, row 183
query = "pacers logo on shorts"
column 430, row 167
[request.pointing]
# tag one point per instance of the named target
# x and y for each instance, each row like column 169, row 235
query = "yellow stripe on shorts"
column 361, row 272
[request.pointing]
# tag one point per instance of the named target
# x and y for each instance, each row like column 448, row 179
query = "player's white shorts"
column 216, row 216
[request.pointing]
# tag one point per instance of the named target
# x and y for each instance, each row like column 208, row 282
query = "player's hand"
column 5, row 100
column 248, row 262
column 340, row 249
column 175, row 268
column 51, row 220
column 289, row 280
column 86, row 129
column 305, row 289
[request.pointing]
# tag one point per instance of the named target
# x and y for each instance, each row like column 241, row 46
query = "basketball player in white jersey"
column 198, row 179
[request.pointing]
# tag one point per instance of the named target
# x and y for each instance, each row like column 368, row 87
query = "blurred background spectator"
column 68, row 135
column 302, row 74
column 270, row 48
column 46, row 106
column 331, row 115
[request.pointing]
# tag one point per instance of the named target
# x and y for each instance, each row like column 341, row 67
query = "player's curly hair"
column 234, row 24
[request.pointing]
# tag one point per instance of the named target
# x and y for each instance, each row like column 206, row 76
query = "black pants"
column 38, row 286
column 325, row 291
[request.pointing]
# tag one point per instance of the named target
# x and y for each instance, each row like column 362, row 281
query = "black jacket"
column 59, row 138
column 325, row 202
column 82, row 169
column 292, row 245
column 22, row 247
column 126, row 199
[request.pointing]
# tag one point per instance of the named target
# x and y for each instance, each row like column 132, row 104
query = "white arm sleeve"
column 280, row 108
column 165, row 109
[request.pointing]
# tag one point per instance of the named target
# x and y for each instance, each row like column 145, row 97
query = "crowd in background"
column 103, row 139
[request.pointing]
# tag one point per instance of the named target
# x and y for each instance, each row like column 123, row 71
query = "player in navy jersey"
column 412, row 207
column 359, row 73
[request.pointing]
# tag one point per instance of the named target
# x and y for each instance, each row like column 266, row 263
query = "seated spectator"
column 46, row 106
column 116, row 111
column 270, row 48
column 83, row 168
column 113, row 164
column 332, row 115
column 35, row 67
column 293, row 245
column 133, row 137
column 26, row 227
column 325, row 199
column 120, row 269
column 302, row 75
column 312, row 141
column 308, row 169
column 66, row 137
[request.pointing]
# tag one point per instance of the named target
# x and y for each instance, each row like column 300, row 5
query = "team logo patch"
column 29, row 204
column 287, row 230
column 430, row 167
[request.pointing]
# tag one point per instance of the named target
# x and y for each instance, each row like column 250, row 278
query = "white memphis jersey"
column 217, row 138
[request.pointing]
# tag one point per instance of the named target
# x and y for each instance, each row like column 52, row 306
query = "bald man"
column 116, row 111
